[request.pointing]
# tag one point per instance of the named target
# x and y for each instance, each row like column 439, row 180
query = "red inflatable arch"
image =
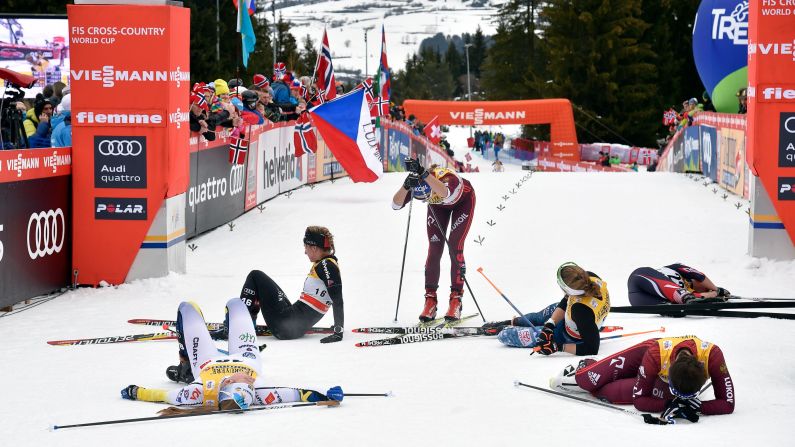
column 555, row 112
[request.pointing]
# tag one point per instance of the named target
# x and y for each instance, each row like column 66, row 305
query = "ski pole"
column 733, row 297
column 450, row 249
column 403, row 264
column 662, row 329
column 387, row 394
column 521, row 315
column 329, row 403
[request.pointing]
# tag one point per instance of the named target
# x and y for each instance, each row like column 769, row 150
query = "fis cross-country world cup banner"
column 720, row 50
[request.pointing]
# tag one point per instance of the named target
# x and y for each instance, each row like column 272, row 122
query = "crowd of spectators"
column 691, row 107
column 46, row 118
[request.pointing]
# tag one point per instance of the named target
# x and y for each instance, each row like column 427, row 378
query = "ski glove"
column 335, row 337
column 651, row 419
column 723, row 292
column 411, row 181
column 335, row 393
column 413, row 165
column 130, row 392
column 682, row 408
column 546, row 340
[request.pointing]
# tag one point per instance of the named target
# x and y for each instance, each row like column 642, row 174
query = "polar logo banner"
column 118, row 208
column 119, row 162
column 46, row 233
column 786, row 188
column 786, row 140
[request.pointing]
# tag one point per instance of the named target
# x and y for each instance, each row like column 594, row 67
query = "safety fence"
column 713, row 146
column 524, row 149
column 36, row 189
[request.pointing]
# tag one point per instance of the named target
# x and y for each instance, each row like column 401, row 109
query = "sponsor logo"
column 1, row 245
column 249, row 355
column 593, row 377
column 526, row 337
column 119, row 162
column 247, row 338
column 618, row 361
column 459, row 221
column 283, row 167
column 732, row 26
column 196, row 352
column 434, row 238
column 214, row 188
column 786, row 188
column 727, row 383
column 178, row 117
column 667, row 344
column 479, row 116
column 109, row 75
column 642, row 371
column 237, row 179
column 774, row 93
column 786, row 140
column 269, row 400
column 46, row 233
column 778, row 49
column 107, row 208
column 637, row 391
column 119, row 118
column 195, row 394
column 120, row 147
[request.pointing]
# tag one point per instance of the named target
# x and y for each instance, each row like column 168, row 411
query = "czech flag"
column 344, row 123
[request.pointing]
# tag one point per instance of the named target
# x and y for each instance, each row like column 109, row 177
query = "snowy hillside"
column 449, row 392
column 407, row 23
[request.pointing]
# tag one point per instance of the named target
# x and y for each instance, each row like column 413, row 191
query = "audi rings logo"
column 46, row 233
column 120, row 147
column 237, row 177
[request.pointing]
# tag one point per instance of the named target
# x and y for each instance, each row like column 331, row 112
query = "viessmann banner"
column 35, row 223
column 130, row 80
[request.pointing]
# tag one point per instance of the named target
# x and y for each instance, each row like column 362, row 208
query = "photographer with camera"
column 451, row 200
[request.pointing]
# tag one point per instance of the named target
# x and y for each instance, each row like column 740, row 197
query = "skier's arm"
column 722, row 385
column 401, row 198
column 583, row 316
column 642, row 394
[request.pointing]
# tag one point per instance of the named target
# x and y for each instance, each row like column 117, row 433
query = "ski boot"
column 429, row 311
column 565, row 381
column 180, row 373
column 454, row 311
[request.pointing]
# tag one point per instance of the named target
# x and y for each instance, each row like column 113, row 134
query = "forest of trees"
column 620, row 62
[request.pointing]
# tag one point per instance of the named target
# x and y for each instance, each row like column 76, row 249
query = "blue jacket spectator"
column 62, row 133
column 281, row 95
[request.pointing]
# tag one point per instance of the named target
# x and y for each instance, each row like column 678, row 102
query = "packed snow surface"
column 448, row 392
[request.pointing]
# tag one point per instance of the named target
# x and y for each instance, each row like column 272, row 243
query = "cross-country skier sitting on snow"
column 675, row 283
column 571, row 325
column 224, row 381
column 658, row 375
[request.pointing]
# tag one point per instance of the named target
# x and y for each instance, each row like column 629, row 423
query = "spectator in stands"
column 61, row 124
column 604, row 158
column 260, row 81
column 250, row 114
column 742, row 99
column 281, row 94
column 615, row 160
column 272, row 111
column 37, row 122
column 634, row 166
column 707, row 105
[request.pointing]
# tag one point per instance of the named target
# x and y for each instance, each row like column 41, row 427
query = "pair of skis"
column 437, row 329
column 725, row 309
column 262, row 331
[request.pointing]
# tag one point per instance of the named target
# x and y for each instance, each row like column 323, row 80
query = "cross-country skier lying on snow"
column 658, row 375
column 225, row 381
column 675, row 283
column 571, row 325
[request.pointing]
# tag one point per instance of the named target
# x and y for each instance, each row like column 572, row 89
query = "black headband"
column 316, row 239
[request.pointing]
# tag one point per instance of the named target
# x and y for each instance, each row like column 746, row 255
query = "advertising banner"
column 732, row 160
column 678, row 153
column 399, row 148
column 691, row 159
column 35, row 236
column 130, row 79
column 418, row 149
column 709, row 152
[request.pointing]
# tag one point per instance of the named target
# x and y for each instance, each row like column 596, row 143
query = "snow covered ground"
column 449, row 392
column 406, row 24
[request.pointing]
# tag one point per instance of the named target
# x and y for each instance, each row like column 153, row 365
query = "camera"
column 12, row 131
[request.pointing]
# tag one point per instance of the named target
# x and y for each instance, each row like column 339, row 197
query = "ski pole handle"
column 662, row 329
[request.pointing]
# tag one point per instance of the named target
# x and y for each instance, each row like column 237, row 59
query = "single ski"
column 402, row 330
column 437, row 334
column 703, row 306
column 114, row 339
column 716, row 313
column 262, row 331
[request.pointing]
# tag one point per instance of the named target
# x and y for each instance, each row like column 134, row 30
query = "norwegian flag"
column 199, row 100
column 669, row 117
column 304, row 138
column 324, row 73
column 369, row 95
column 238, row 148
column 384, row 85
column 279, row 70
column 433, row 131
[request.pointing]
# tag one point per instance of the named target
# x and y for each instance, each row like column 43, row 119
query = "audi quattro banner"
column 35, row 224
column 217, row 188
column 130, row 75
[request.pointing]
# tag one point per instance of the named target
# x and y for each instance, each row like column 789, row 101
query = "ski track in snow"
column 457, row 392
